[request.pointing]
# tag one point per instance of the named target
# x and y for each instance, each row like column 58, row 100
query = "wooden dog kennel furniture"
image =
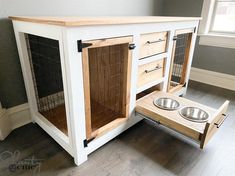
column 85, row 76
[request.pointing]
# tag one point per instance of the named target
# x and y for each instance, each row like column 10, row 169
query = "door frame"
column 185, row 65
column 86, row 77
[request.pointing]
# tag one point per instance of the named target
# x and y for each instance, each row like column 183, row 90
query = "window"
column 223, row 19
column 217, row 27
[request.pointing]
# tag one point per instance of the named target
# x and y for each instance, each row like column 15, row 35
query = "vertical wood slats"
column 106, row 69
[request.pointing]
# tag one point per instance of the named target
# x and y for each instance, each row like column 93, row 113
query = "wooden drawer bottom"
column 201, row 132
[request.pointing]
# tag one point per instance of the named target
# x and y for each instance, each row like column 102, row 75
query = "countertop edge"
column 91, row 21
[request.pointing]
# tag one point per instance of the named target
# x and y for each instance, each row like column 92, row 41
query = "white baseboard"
column 5, row 124
column 217, row 79
column 13, row 118
column 19, row 115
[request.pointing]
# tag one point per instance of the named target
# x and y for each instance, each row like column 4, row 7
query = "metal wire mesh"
column 44, row 57
column 179, row 58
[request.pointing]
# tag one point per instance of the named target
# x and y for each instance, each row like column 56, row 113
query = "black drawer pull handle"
column 157, row 41
column 156, row 68
column 222, row 121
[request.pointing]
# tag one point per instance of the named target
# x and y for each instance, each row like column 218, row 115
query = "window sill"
column 217, row 40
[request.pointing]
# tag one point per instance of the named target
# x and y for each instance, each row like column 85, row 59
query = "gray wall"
column 182, row 7
column 206, row 57
column 12, row 91
column 81, row 7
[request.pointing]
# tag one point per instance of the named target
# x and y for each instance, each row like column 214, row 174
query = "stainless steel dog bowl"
column 166, row 103
column 194, row 114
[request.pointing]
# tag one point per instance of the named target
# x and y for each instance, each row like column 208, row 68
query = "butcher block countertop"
column 88, row 21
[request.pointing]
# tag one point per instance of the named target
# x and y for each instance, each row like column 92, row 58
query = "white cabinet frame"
column 71, row 64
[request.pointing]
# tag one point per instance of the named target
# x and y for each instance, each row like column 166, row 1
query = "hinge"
column 194, row 29
column 132, row 46
column 184, row 85
column 82, row 45
column 175, row 38
column 86, row 141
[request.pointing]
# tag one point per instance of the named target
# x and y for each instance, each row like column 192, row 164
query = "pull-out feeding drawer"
column 153, row 43
column 150, row 72
column 201, row 132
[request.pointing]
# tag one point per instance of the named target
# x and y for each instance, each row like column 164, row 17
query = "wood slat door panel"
column 106, row 74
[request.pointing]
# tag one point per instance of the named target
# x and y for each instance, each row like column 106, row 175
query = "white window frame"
column 209, row 38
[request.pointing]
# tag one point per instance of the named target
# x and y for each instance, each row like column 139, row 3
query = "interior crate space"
column 44, row 57
column 108, row 81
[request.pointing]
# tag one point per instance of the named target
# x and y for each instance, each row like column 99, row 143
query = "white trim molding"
column 13, row 118
column 207, row 12
column 208, row 37
column 19, row 115
column 5, row 127
column 217, row 79
column 217, row 40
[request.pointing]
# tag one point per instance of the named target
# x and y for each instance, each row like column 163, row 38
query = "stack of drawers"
column 151, row 64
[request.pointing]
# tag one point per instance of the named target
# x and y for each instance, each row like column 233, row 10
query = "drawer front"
column 150, row 72
column 214, row 124
column 151, row 44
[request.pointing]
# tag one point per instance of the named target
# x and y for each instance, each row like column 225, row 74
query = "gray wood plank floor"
column 144, row 149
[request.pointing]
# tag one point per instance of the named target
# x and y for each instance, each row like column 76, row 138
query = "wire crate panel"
column 44, row 57
column 180, row 61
